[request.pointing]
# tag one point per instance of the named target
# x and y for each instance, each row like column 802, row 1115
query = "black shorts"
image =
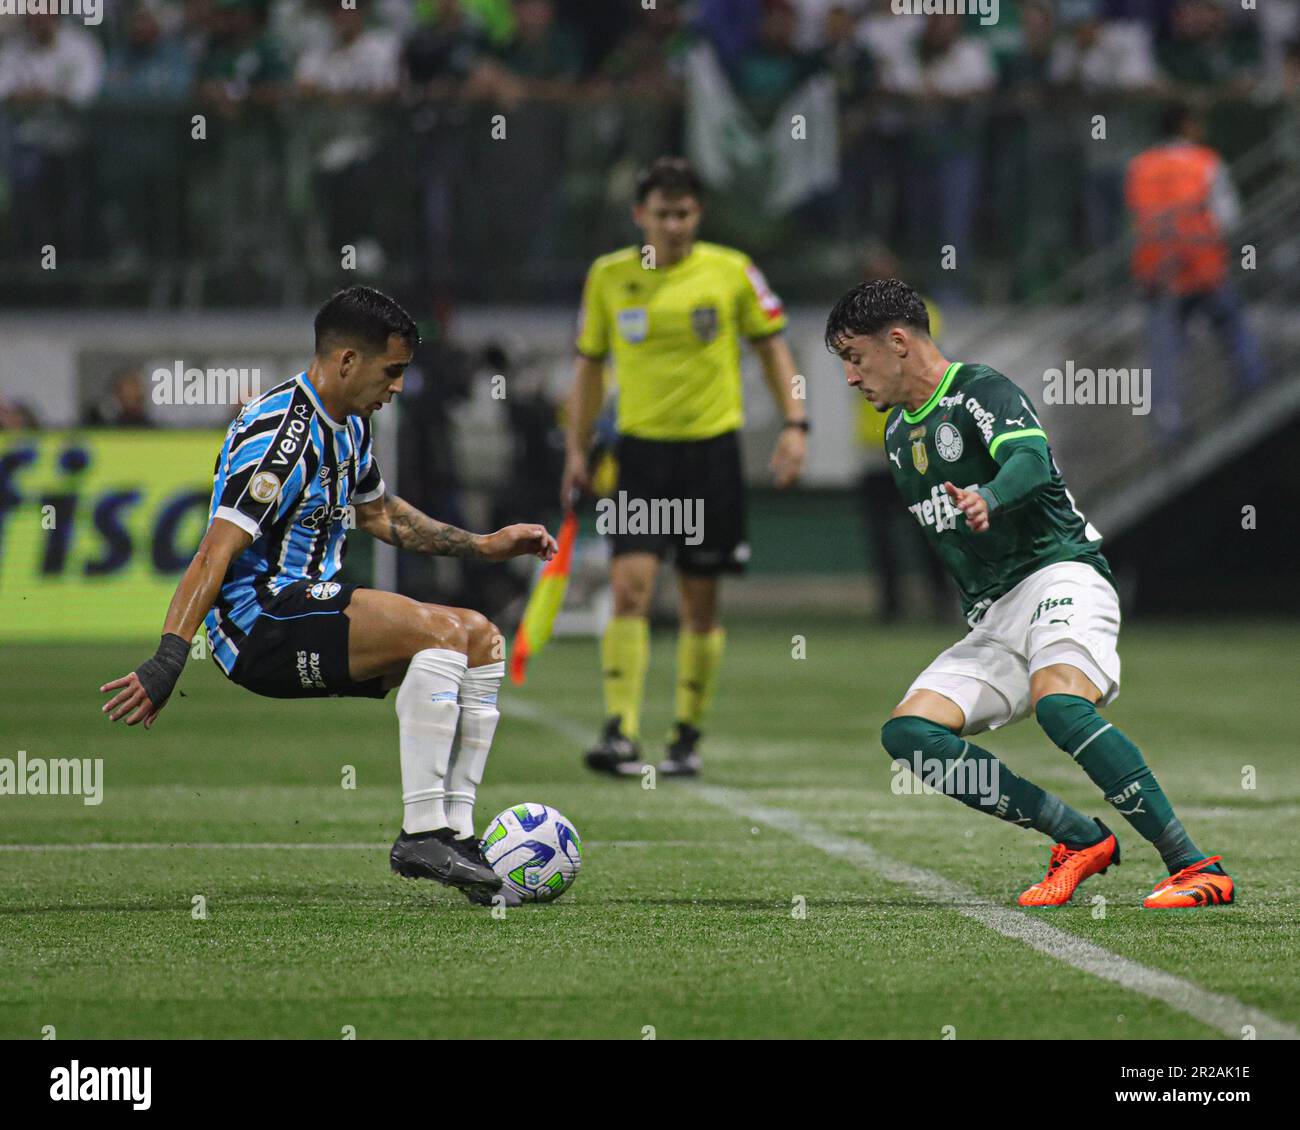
column 298, row 647
column 706, row 532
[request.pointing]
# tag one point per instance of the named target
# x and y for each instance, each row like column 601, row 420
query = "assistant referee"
column 668, row 316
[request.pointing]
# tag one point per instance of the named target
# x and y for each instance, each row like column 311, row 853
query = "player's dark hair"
column 874, row 306
column 364, row 316
column 673, row 176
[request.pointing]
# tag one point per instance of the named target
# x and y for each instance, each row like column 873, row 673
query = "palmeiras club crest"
column 704, row 322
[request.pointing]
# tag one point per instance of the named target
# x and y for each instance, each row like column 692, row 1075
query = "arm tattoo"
column 409, row 529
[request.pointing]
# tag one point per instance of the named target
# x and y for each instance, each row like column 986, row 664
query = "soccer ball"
column 535, row 850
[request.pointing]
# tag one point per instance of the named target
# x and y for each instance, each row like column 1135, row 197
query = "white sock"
column 427, row 709
column 478, row 723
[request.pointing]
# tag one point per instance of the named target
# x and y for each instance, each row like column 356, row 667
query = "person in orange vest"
column 1182, row 203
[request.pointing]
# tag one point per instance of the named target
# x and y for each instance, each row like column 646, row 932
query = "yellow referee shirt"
column 673, row 334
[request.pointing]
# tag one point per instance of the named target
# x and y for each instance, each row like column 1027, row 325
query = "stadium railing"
column 260, row 209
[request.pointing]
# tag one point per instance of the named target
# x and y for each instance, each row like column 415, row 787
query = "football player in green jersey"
column 972, row 462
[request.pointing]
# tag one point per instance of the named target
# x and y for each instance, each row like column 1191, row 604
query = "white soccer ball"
column 535, row 850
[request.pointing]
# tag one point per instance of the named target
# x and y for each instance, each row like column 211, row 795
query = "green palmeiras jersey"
column 974, row 423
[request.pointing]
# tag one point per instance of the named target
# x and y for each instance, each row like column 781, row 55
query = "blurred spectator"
column 443, row 50
column 1032, row 162
column 137, row 163
column 731, row 26
column 544, row 58
column 773, row 67
column 50, row 59
column 126, row 402
column 854, row 73
column 1100, row 59
column 648, row 58
column 16, row 416
column 1183, row 203
column 353, row 68
column 531, row 75
column 1097, row 56
column 1278, row 30
column 815, row 30
column 241, row 61
column 49, row 67
column 150, row 65
column 945, row 72
column 299, row 27
column 353, row 60
column 494, row 19
column 847, row 57
column 891, row 39
column 1203, row 50
column 600, row 25
column 1025, row 70
column 444, row 56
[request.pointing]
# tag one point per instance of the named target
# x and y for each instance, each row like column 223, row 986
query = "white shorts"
column 1065, row 613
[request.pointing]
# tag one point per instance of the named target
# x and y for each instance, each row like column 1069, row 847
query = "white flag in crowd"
column 781, row 165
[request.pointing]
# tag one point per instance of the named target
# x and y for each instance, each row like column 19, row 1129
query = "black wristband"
column 802, row 425
column 158, row 675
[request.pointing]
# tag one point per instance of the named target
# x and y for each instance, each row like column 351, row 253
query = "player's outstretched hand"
column 131, row 702
column 517, row 541
column 972, row 504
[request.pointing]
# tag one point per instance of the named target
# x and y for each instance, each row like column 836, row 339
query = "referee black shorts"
column 298, row 647
column 683, row 495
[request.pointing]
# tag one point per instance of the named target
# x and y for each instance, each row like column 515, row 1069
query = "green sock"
column 980, row 781
column 1116, row 766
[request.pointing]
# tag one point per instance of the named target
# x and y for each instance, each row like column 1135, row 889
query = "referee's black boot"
column 615, row 752
column 435, row 855
column 683, row 758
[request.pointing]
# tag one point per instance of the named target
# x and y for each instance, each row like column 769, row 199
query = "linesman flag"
column 545, row 601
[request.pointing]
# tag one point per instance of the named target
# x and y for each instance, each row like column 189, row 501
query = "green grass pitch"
column 685, row 918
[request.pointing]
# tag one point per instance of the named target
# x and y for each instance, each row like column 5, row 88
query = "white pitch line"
column 1216, row 1010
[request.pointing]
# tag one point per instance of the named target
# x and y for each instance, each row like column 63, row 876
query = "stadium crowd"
column 510, row 50
column 934, row 115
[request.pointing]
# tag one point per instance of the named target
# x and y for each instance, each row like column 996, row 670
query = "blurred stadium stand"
column 380, row 132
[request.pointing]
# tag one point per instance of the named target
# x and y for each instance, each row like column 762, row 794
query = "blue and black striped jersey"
column 287, row 474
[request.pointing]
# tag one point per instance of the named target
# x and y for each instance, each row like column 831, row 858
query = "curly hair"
column 873, row 306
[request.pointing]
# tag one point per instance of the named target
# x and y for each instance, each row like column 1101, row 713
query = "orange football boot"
column 1191, row 887
column 1069, row 867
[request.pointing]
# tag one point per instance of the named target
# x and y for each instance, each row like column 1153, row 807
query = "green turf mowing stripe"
column 1218, row 1011
column 1224, row 1013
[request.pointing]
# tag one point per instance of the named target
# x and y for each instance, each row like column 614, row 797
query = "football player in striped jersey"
column 296, row 471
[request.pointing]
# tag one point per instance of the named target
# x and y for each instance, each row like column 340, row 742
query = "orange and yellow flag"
column 545, row 602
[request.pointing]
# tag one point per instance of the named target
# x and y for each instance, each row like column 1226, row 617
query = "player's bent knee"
column 1067, row 719
column 485, row 642
column 439, row 627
